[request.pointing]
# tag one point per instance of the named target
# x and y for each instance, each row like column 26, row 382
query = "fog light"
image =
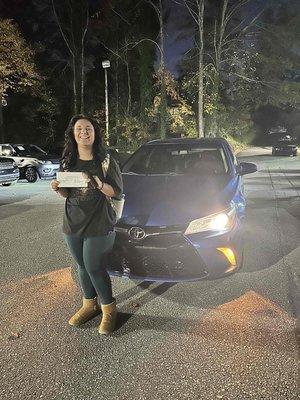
column 229, row 254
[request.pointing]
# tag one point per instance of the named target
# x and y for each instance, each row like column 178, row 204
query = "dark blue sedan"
column 184, row 203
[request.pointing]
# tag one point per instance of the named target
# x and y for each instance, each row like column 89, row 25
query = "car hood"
column 164, row 200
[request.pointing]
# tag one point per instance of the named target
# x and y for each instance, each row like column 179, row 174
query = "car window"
column 176, row 159
column 6, row 150
column 28, row 150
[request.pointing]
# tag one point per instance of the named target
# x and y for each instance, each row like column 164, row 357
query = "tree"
column 196, row 10
column 129, row 42
column 162, row 71
column 72, row 18
column 17, row 68
column 224, row 33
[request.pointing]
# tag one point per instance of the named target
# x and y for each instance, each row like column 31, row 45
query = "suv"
column 32, row 161
column 285, row 145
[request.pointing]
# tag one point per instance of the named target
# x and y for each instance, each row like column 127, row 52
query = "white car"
column 32, row 161
column 9, row 172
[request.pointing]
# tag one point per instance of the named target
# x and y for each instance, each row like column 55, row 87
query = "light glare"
column 220, row 221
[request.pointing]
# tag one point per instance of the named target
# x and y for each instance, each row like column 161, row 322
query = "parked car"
column 184, row 205
column 285, row 146
column 9, row 172
column 32, row 161
column 119, row 156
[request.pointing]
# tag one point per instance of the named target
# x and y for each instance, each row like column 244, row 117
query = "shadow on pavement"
column 11, row 200
column 142, row 288
column 14, row 210
column 216, row 331
column 147, row 295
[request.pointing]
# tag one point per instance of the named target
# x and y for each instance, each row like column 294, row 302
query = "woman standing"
column 89, row 219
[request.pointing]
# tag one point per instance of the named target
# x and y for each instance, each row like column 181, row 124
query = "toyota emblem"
column 136, row 233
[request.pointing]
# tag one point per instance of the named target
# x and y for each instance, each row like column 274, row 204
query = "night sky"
column 180, row 28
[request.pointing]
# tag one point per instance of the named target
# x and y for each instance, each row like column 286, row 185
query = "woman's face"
column 84, row 132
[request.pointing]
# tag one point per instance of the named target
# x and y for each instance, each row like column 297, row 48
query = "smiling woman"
column 89, row 218
column 84, row 133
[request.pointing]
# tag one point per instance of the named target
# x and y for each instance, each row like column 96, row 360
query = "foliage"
column 17, row 68
column 178, row 109
column 244, row 70
column 132, row 133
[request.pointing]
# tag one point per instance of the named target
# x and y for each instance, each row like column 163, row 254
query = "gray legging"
column 88, row 254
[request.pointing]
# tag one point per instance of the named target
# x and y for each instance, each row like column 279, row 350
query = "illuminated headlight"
column 216, row 222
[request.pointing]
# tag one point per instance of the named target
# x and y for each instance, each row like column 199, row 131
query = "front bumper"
column 48, row 171
column 173, row 257
column 285, row 151
column 10, row 176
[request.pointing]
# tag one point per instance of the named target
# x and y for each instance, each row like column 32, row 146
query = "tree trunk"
column 163, row 104
column 200, row 71
column 74, row 36
column 219, row 43
column 128, row 87
column 75, row 104
column 2, row 137
column 82, row 81
column 117, row 99
column 78, row 83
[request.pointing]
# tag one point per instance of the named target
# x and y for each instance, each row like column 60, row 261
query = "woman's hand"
column 95, row 183
column 63, row 192
column 92, row 181
column 54, row 185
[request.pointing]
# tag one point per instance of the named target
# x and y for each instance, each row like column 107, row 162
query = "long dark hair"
column 70, row 152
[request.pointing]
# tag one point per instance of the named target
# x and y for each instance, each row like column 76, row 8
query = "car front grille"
column 157, row 256
column 6, row 165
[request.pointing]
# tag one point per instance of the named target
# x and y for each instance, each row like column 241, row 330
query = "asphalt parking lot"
column 233, row 338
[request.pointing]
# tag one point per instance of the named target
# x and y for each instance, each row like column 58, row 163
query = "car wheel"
column 6, row 184
column 31, row 174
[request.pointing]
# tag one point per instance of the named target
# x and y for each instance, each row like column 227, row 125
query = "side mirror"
column 245, row 168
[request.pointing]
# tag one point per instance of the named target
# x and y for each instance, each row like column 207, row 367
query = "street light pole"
column 3, row 103
column 106, row 65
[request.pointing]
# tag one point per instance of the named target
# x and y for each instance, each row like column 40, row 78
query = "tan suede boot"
column 89, row 310
column 109, row 317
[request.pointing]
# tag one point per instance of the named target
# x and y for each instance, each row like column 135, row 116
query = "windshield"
column 174, row 159
column 28, row 149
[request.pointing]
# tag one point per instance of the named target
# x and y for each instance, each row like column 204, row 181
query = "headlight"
column 45, row 162
column 216, row 222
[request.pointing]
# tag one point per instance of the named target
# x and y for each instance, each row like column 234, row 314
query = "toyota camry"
column 184, row 206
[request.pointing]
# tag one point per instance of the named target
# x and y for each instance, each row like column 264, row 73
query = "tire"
column 31, row 174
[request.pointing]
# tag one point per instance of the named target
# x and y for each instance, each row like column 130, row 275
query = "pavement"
column 232, row 338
